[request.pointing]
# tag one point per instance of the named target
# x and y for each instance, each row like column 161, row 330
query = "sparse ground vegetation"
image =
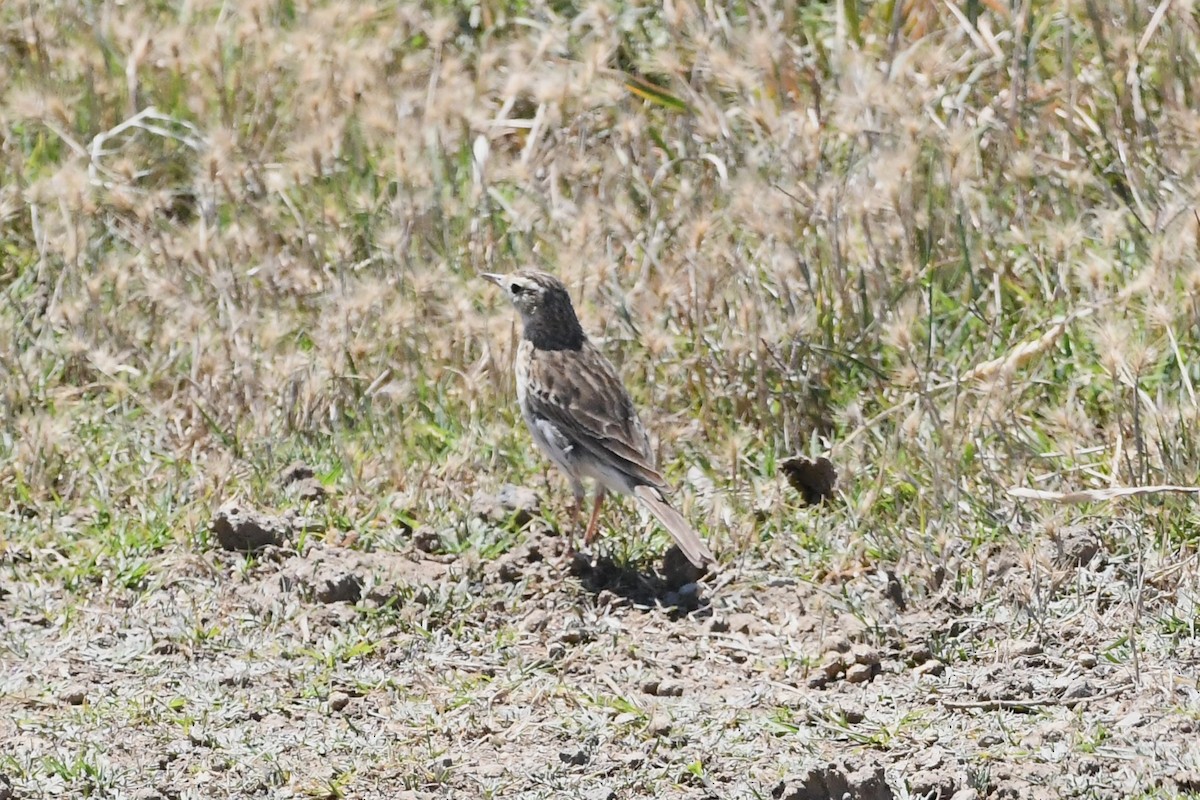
column 952, row 246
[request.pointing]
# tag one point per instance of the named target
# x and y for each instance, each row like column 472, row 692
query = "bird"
column 579, row 412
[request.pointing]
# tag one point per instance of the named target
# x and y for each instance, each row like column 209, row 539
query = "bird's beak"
column 492, row 276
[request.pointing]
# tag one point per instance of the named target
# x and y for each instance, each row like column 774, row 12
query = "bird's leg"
column 576, row 509
column 592, row 524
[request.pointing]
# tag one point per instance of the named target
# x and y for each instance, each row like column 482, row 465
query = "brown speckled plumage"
column 578, row 411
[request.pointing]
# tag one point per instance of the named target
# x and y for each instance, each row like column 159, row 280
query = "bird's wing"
column 580, row 393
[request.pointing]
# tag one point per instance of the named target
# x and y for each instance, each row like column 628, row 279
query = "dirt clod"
column 427, row 540
column 859, row 673
column 930, row 667
column 1077, row 547
column 932, row 783
column 574, row 635
column 814, row 479
column 660, row 724
column 246, row 531
column 338, row 700
column 864, row 654
column 835, row 781
column 1079, row 689
column 327, row 578
column 1027, row 648
column 73, row 695
column 833, row 664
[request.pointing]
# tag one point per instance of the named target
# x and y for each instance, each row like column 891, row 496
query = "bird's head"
column 546, row 311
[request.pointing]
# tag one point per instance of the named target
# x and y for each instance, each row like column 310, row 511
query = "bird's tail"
column 683, row 534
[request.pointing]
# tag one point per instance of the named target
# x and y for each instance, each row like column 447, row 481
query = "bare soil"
column 321, row 670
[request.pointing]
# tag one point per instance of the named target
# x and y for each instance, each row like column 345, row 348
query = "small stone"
column 864, row 654
column 858, row 673
column 932, row 758
column 556, row 651
column 930, row 667
column 574, row 636
column 932, row 783
column 1087, row 660
column 817, row 681
column 1078, row 690
column 1028, row 648
column 915, row 655
column 965, row 794
column 826, row 781
column 338, row 700
column 852, row 715
column 836, row 643
column 73, row 695
column 833, row 664
column 535, row 621
column 660, row 724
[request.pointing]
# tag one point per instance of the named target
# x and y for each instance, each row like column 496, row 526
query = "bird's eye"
column 517, row 288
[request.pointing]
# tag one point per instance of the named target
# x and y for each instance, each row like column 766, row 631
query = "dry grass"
column 955, row 248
